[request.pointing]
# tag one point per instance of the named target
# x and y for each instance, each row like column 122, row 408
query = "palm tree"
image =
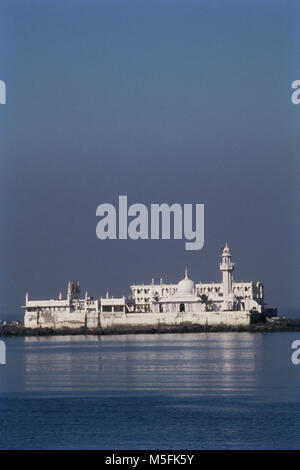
column 205, row 300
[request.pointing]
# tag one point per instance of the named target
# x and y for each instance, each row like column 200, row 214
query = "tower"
column 226, row 266
column 73, row 291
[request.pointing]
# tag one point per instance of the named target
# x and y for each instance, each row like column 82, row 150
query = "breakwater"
column 280, row 325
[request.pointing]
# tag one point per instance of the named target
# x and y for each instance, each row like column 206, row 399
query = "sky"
column 163, row 101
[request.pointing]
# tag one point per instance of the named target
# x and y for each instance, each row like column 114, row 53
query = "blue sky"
column 164, row 101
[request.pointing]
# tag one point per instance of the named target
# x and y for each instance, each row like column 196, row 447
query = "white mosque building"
column 228, row 302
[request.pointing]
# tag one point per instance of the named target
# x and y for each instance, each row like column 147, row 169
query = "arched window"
column 181, row 308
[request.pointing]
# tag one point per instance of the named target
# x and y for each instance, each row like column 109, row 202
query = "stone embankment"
column 278, row 325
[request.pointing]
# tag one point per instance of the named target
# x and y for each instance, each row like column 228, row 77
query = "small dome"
column 186, row 286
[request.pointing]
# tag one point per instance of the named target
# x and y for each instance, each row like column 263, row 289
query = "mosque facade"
column 227, row 302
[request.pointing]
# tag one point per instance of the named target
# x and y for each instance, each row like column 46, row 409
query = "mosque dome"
column 186, row 286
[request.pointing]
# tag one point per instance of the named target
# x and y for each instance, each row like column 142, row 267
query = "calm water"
column 191, row 391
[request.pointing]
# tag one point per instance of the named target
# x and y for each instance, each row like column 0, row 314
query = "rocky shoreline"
column 278, row 325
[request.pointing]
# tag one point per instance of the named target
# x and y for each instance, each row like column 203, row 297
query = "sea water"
column 160, row 391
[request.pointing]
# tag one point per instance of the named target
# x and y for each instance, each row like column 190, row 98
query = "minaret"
column 69, row 292
column 226, row 266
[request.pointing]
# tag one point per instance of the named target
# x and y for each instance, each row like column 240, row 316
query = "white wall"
column 107, row 320
column 170, row 318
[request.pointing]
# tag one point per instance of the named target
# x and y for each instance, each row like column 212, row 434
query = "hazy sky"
column 164, row 101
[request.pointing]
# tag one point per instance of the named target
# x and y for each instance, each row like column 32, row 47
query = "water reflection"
column 151, row 391
column 188, row 363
